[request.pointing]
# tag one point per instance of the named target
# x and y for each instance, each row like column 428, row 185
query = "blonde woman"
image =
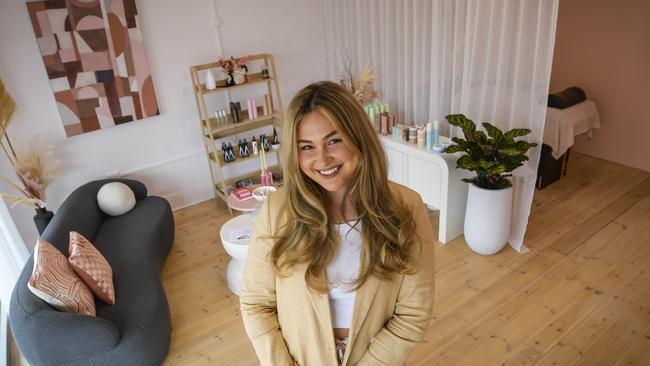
column 340, row 265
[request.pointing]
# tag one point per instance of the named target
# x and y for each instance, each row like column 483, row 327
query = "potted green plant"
column 492, row 155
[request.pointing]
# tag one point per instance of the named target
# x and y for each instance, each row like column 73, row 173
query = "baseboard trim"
column 188, row 197
column 159, row 164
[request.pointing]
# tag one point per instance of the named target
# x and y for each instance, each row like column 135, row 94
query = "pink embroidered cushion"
column 56, row 283
column 92, row 267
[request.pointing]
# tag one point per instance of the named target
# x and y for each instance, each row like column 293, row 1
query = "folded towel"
column 566, row 98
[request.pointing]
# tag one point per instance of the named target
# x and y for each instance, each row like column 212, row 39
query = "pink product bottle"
column 384, row 124
column 254, row 107
column 249, row 108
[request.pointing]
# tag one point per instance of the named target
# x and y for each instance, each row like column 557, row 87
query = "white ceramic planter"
column 487, row 219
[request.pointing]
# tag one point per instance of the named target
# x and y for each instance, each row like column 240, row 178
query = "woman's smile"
column 324, row 154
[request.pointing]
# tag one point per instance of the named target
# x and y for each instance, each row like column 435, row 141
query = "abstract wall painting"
column 95, row 60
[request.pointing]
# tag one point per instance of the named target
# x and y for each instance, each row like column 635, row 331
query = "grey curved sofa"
column 134, row 331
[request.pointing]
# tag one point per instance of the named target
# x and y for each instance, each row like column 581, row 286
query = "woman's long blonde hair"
column 389, row 245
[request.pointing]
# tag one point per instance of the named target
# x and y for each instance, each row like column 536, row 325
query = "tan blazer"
column 288, row 324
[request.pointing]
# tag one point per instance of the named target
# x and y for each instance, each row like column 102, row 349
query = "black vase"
column 230, row 79
column 42, row 218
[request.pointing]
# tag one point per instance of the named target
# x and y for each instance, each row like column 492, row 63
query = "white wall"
column 166, row 152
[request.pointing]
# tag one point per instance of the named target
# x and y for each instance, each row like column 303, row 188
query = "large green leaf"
column 454, row 149
column 493, row 131
column 517, row 132
column 523, row 146
column 466, row 162
column 509, row 151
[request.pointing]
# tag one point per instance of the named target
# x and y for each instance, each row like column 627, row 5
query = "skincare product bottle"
column 224, row 150
column 429, row 136
column 242, row 153
column 436, row 133
column 269, row 103
column 264, row 142
column 413, row 135
column 404, row 134
column 249, row 109
column 391, row 120
column 421, row 138
column 275, row 140
column 233, row 112
column 254, row 107
column 254, row 143
column 238, row 108
column 384, row 124
column 265, row 106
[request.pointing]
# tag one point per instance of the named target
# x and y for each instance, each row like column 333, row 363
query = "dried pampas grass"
column 360, row 86
column 36, row 167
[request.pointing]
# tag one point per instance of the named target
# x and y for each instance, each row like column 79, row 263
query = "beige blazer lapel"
column 362, row 303
column 321, row 304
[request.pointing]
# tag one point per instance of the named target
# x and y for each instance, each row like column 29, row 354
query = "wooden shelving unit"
column 213, row 131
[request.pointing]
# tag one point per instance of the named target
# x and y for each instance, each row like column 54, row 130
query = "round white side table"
column 237, row 248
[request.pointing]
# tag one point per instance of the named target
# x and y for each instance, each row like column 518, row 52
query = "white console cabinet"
column 435, row 177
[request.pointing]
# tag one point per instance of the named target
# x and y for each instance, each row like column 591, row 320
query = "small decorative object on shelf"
column 228, row 154
column 264, row 141
column 32, row 174
column 243, row 149
column 265, row 72
column 235, row 69
column 210, row 82
column 242, row 194
column 244, row 183
column 239, row 76
column 254, row 143
column 275, row 143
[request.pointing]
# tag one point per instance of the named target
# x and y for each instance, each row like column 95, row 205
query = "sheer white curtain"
column 488, row 59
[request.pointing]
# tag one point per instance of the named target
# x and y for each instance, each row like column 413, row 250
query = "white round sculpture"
column 115, row 198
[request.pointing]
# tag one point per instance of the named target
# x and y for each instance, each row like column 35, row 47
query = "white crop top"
column 341, row 274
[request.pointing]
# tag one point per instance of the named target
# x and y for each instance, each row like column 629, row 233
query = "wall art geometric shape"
column 96, row 62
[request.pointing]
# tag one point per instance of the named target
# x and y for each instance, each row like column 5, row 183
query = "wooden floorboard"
column 580, row 296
